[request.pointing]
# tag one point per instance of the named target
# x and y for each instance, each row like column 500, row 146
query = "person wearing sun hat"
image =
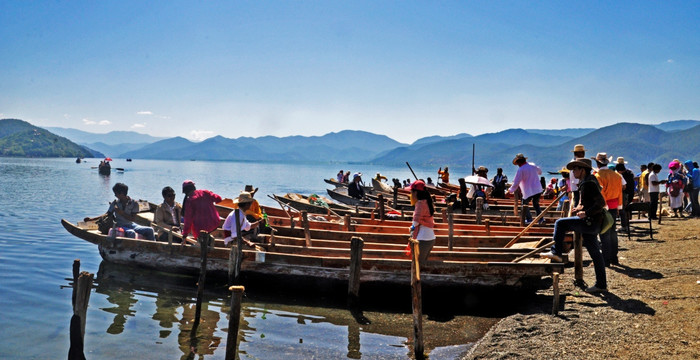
column 527, row 179
column 675, row 184
column 586, row 219
column 423, row 222
column 355, row 188
column 243, row 201
column 198, row 209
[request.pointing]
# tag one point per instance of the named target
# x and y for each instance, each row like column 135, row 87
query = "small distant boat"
column 128, row 159
column 78, row 161
column 105, row 168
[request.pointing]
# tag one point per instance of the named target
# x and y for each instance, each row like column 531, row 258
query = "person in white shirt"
column 244, row 200
column 654, row 190
column 527, row 179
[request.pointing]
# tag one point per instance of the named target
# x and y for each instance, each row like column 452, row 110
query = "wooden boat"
column 344, row 198
column 325, row 259
column 104, row 169
column 301, row 203
column 334, row 182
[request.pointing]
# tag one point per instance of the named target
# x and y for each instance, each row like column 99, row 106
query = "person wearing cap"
column 527, row 179
column 694, row 187
column 612, row 184
column 587, row 220
column 168, row 214
column 674, row 186
column 444, row 175
column 355, row 188
column 198, row 208
column 423, row 222
column 243, row 202
column 500, row 181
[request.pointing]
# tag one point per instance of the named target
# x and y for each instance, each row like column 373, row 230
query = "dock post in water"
column 356, row 245
column 451, row 228
column 76, row 274
column 82, row 288
column 479, row 209
column 305, row 223
column 203, row 240
column 417, row 301
column 380, row 198
column 234, row 321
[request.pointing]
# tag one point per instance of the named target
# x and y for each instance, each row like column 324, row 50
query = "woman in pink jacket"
column 198, row 209
column 423, row 223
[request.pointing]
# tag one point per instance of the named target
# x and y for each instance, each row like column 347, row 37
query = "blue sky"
column 405, row 69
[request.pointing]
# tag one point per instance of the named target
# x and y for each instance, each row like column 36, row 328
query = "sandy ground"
column 652, row 309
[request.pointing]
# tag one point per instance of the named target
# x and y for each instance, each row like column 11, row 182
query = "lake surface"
column 145, row 314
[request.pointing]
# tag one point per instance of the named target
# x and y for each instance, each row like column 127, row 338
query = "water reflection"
column 277, row 323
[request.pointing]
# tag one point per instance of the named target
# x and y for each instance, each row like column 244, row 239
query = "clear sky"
column 405, row 69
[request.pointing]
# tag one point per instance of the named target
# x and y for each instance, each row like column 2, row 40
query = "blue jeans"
column 535, row 204
column 132, row 229
column 590, row 241
column 609, row 240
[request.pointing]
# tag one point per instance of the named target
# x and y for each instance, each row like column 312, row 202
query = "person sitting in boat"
column 198, row 209
column 380, row 177
column 423, row 222
column 444, row 175
column 168, row 214
column 125, row 210
column 243, row 202
column 254, row 212
column 340, row 176
column 499, row 182
column 346, row 177
column 355, row 188
column 430, row 182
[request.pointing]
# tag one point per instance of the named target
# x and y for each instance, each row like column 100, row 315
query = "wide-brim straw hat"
column 621, row 160
column 578, row 147
column 582, row 162
column 243, row 198
column 563, row 170
column 518, row 157
column 249, row 188
column 602, row 158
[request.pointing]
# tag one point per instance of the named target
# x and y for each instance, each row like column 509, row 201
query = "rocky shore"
column 651, row 311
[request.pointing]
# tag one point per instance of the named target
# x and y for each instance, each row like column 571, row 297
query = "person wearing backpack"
column 587, row 220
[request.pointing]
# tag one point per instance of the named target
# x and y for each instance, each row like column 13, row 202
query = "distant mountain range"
column 21, row 139
column 548, row 148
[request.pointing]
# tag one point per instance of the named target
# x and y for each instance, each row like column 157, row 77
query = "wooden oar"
column 410, row 168
column 283, row 205
column 534, row 251
column 534, row 221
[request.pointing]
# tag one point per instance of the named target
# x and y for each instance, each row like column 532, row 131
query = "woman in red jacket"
column 198, row 209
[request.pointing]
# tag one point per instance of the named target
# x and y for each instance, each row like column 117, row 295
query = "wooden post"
column 203, row 240
column 234, row 321
column 444, row 214
column 76, row 274
column 305, row 223
column 380, row 198
column 487, row 225
column 348, row 223
column 356, row 245
column 555, row 288
column 451, row 229
column 516, row 202
column 238, row 247
column 479, row 209
column 232, row 255
column 403, row 216
column 417, row 301
column 83, row 287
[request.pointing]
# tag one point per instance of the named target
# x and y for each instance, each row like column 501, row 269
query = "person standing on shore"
column 675, row 184
column 611, row 183
column 654, row 189
column 500, row 181
column 527, row 179
column 423, row 222
column 694, row 181
column 198, row 208
column 587, row 219
column 627, row 191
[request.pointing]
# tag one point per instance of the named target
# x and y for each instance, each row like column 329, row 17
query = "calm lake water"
column 145, row 314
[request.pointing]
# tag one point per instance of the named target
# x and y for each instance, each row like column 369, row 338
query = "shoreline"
column 651, row 311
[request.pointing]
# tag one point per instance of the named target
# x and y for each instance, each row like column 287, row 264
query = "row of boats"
column 310, row 240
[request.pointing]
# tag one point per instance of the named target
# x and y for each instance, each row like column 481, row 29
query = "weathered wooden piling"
column 234, row 321
column 76, row 274
column 523, row 214
column 555, row 287
column 487, row 226
column 578, row 259
column 479, row 209
column 203, row 240
column 348, row 222
column 396, row 197
column 356, row 245
column 82, row 289
column 417, row 302
column 516, row 203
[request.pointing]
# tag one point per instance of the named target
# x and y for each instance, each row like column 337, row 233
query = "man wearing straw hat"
column 244, row 200
column 587, row 219
column 527, row 179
